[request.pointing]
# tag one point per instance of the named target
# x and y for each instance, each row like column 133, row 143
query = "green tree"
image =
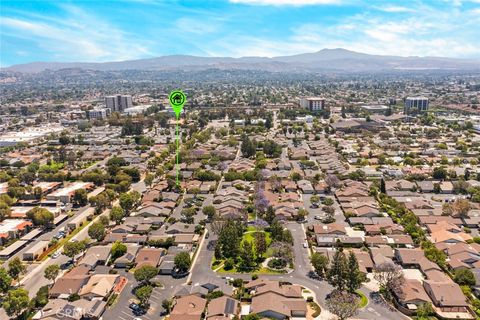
column 182, row 262
column 51, row 272
column 143, row 294
column 96, row 231
column 260, row 243
column 5, row 210
column 129, row 200
column 209, row 211
column 16, row 268
column 40, row 216
column 5, row 280
column 118, row 250
column 229, row 239
column 149, row 179
column 16, row 302
column 424, row 311
column 276, row 231
column 343, row 304
column 337, row 275
column 167, row 305
column 439, row 173
column 80, row 198
column 41, row 298
column 117, row 214
column 247, row 256
column 73, row 248
column 145, row 273
column 100, row 202
column 248, row 147
column 319, row 263
column 465, row 277
column 354, row 276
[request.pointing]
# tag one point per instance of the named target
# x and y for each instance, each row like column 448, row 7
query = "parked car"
column 305, row 245
column 318, row 218
column 134, row 306
column 56, row 255
column 66, row 265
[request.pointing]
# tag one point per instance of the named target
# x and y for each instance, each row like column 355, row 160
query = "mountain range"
column 340, row 60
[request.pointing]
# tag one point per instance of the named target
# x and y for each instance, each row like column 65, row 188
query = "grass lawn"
column 256, row 271
column 363, row 298
column 316, row 309
column 248, row 235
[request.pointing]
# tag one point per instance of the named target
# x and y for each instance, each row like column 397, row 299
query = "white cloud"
column 297, row 3
column 78, row 35
column 428, row 32
column 395, row 9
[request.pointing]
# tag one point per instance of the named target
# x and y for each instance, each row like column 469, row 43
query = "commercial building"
column 136, row 110
column 118, row 103
column 313, row 103
column 13, row 228
column 65, row 194
column 375, row 108
column 416, row 104
column 36, row 250
column 98, row 113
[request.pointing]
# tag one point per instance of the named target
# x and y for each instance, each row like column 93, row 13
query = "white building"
column 374, row 108
column 416, row 104
column 98, row 113
column 118, row 103
column 137, row 109
column 312, row 103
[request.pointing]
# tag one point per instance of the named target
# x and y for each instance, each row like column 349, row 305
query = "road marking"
column 128, row 315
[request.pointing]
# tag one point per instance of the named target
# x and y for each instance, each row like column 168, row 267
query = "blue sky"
column 99, row 30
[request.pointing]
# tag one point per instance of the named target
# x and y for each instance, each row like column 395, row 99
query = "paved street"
column 202, row 273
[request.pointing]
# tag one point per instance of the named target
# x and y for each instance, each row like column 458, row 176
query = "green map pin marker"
column 177, row 99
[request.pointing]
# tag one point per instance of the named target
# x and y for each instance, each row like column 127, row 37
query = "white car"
column 305, row 245
column 56, row 255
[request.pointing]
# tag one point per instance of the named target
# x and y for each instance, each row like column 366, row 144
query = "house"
column 128, row 258
column 67, row 285
column 278, row 301
column 74, row 310
column 180, row 227
column 411, row 295
column 96, row 255
column 150, row 256
column 65, row 194
column 224, row 307
column 189, row 307
column 99, row 286
column 447, row 298
column 167, row 265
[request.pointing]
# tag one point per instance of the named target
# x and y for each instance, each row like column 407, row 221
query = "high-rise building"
column 416, row 104
column 312, row 103
column 118, row 103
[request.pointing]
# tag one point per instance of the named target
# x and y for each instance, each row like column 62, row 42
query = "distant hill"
column 324, row 60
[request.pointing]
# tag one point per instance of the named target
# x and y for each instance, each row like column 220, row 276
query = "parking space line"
column 128, row 315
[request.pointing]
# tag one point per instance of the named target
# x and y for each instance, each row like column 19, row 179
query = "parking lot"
column 121, row 310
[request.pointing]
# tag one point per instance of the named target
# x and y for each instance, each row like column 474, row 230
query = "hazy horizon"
column 85, row 31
